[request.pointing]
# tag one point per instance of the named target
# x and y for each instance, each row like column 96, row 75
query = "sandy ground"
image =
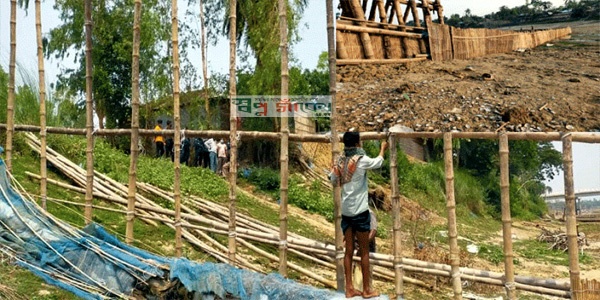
column 554, row 87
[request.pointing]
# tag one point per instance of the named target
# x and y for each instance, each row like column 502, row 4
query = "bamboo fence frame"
column 397, row 234
column 113, row 191
column 285, row 131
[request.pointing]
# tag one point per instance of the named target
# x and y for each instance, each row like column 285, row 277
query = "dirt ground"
column 554, row 87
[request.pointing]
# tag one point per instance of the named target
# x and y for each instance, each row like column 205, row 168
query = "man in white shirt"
column 212, row 152
column 350, row 172
column 222, row 156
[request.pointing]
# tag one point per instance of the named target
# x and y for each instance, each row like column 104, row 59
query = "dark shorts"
column 358, row 223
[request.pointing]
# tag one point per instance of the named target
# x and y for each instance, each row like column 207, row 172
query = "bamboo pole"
column 359, row 14
column 451, row 206
column 42, row 85
column 583, row 137
column 354, row 21
column 204, row 63
column 335, row 150
column 284, row 159
column 576, row 292
column 135, row 121
column 440, row 11
column 342, row 62
column 506, row 218
column 10, row 102
column 426, row 11
column 232, row 131
column 415, row 13
column 399, row 273
column 89, row 108
column 381, row 31
column 177, row 121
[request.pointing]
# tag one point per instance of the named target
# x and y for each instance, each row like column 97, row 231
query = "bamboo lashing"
column 506, row 218
column 232, row 131
column 10, row 101
column 135, row 121
column 284, row 159
column 570, row 216
column 89, row 108
column 42, row 92
column 397, row 234
column 451, row 209
column 335, row 150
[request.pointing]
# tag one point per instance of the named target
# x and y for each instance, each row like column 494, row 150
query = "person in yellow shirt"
column 159, row 140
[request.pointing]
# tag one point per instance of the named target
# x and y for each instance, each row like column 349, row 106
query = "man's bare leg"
column 349, row 240
column 363, row 248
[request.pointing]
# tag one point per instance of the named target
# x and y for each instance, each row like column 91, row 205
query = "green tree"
column 112, row 37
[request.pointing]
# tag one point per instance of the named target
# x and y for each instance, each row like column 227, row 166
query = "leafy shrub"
column 491, row 253
column 265, row 179
column 310, row 198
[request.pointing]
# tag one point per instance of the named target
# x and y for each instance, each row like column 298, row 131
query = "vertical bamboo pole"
column 42, row 83
column 426, row 11
column 567, row 140
column 364, row 37
column 398, row 9
column 285, row 132
column 232, row 131
column 335, row 151
column 135, row 121
column 10, row 102
column 177, row 121
column 399, row 272
column 451, row 206
column 89, row 118
column 440, row 11
column 506, row 219
column 204, row 63
column 373, row 9
column 415, row 13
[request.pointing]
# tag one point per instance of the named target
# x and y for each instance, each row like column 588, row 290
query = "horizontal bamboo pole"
column 379, row 61
column 381, row 31
column 353, row 21
column 585, row 137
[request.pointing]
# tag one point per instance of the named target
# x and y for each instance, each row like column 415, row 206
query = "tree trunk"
column 89, row 107
column 204, row 65
column 135, row 120
column 10, row 103
column 42, row 85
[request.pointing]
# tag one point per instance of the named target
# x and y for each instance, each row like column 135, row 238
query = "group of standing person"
column 208, row 153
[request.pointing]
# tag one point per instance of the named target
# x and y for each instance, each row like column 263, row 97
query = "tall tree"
column 112, row 54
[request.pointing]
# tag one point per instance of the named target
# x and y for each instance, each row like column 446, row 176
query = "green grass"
column 540, row 252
